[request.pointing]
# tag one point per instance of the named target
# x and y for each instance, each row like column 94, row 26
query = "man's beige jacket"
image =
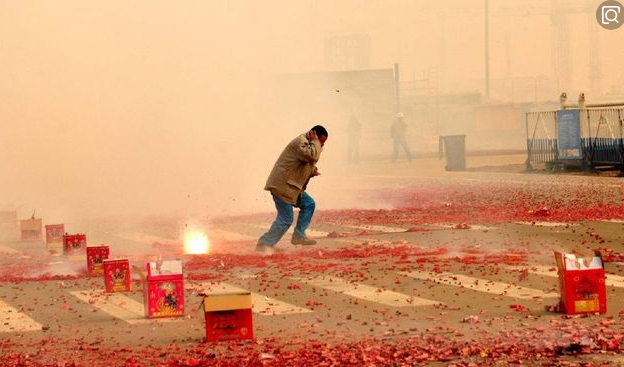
column 293, row 168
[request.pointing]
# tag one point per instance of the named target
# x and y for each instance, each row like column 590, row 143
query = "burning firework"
column 196, row 242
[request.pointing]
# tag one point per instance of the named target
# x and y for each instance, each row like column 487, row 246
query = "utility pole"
column 562, row 63
column 487, row 50
column 397, row 89
column 595, row 70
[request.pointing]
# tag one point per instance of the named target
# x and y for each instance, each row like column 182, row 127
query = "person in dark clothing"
column 398, row 133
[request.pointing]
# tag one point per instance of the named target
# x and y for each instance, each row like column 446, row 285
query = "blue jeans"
column 406, row 149
column 284, row 219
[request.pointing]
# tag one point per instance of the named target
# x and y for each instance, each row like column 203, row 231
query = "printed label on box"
column 165, row 298
column 117, row 275
column 74, row 243
column 229, row 325
column 54, row 235
column 228, row 316
column 582, row 284
column 95, row 257
column 587, row 305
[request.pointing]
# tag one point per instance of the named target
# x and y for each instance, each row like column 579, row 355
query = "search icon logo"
column 609, row 15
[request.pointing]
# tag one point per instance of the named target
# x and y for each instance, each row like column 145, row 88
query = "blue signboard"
column 569, row 134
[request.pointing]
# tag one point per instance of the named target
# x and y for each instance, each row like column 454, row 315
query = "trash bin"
column 454, row 147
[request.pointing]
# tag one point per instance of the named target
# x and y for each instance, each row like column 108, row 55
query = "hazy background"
column 148, row 107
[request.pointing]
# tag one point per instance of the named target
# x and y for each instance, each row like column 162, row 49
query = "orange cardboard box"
column 31, row 229
column 54, row 235
column 96, row 254
column 163, row 289
column 117, row 277
column 228, row 316
column 582, row 284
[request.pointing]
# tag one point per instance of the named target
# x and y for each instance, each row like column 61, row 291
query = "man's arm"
column 314, row 174
column 310, row 149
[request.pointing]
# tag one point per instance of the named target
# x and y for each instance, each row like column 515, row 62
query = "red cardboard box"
column 96, row 254
column 54, row 235
column 163, row 289
column 228, row 316
column 117, row 277
column 582, row 284
column 31, row 229
column 74, row 243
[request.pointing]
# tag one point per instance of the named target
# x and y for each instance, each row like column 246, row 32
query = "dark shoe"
column 264, row 248
column 304, row 241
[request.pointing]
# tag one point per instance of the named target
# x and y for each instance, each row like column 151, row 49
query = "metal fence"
column 602, row 137
column 541, row 137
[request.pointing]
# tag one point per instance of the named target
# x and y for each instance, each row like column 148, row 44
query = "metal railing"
column 541, row 137
column 602, row 137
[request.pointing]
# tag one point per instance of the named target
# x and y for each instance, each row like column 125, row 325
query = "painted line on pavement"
column 366, row 292
column 613, row 221
column 11, row 320
column 227, row 236
column 610, row 279
column 472, row 227
column 119, row 306
column 546, row 224
column 261, row 304
column 479, row 284
column 384, row 229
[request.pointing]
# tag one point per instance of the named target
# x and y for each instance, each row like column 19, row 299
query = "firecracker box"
column 96, row 254
column 31, row 229
column 582, row 283
column 54, row 235
column 74, row 244
column 117, row 277
column 8, row 218
column 228, row 316
column 8, row 225
column 163, row 289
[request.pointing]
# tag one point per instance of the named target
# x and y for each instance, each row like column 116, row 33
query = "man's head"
column 321, row 133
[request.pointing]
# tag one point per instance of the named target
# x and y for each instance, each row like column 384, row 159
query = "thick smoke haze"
column 146, row 107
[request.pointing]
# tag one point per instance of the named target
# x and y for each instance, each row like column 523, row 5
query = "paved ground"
column 443, row 268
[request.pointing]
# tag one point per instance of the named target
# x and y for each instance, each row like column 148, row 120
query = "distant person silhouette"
column 397, row 132
column 354, row 129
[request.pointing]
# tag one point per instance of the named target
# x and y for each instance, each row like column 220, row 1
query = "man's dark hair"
column 320, row 131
